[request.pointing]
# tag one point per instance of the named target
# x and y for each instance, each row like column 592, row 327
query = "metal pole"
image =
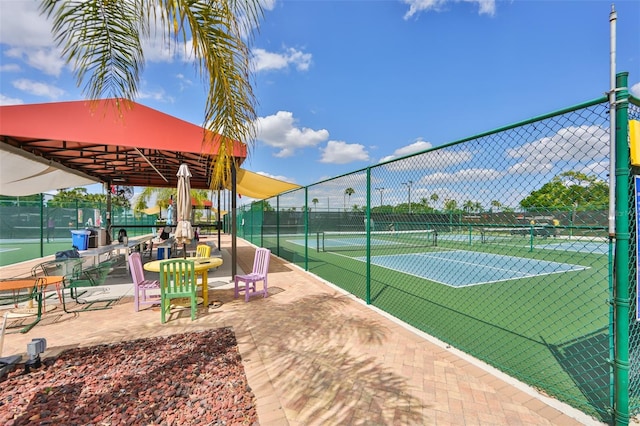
column 613, row 16
column 219, row 221
column 612, row 187
column 368, row 231
column 409, row 188
column 380, row 189
column 234, row 246
column 42, row 224
column 621, row 272
column 306, row 228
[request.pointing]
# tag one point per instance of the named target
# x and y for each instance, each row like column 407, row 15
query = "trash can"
column 102, row 237
column 80, row 239
column 93, row 237
column 161, row 253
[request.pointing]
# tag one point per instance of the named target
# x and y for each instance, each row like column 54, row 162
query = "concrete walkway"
column 314, row 355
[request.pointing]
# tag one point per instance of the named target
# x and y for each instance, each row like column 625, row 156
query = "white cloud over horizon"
column 485, row 7
column 263, row 60
column 279, row 131
column 340, row 152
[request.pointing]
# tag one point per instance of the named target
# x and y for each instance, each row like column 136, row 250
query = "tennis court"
column 464, row 268
column 338, row 241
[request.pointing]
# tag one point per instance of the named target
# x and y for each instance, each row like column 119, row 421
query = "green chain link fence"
column 35, row 228
column 497, row 244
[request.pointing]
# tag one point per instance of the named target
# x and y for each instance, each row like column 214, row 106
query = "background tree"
column 164, row 195
column 434, row 197
column 569, row 190
column 468, row 206
column 103, row 42
column 80, row 197
column 314, row 202
column 450, row 206
column 349, row 192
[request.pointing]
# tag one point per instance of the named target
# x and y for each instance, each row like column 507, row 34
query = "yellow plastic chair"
column 177, row 281
column 203, row 250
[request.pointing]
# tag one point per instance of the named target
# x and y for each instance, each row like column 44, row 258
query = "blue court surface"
column 460, row 268
column 577, row 246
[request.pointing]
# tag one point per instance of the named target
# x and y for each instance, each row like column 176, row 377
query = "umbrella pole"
column 234, row 253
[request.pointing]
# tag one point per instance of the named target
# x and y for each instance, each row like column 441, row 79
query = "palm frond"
column 101, row 39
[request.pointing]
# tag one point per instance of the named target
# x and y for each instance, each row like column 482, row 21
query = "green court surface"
column 15, row 251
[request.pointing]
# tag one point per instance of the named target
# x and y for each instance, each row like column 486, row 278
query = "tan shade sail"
column 25, row 174
column 254, row 185
column 152, row 210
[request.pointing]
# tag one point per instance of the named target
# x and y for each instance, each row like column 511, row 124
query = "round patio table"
column 201, row 267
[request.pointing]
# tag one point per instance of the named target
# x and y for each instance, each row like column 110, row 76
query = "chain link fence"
column 36, row 228
column 497, row 244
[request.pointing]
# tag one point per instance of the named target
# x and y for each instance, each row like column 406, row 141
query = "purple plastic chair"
column 260, row 271
column 142, row 285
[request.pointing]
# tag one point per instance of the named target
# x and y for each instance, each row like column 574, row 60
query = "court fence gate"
column 498, row 244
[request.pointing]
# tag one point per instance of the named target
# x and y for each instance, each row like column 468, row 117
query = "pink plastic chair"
column 142, row 285
column 260, row 271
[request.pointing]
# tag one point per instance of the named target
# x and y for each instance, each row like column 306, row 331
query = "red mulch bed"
column 186, row 379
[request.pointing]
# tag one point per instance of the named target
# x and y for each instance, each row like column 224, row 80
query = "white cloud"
column 279, row 131
column 22, row 25
column 47, row 60
column 339, row 152
column 28, row 36
column 157, row 95
column 10, row 68
column 183, row 81
column 530, row 168
column 635, row 90
column 465, row 175
column 156, row 49
column 264, row 61
column 430, row 160
column 279, row 177
column 582, row 143
column 38, row 89
column 417, row 146
column 600, row 168
column 5, row 100
column 485, row 7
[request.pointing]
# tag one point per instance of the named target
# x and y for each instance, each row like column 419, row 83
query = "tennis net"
column 336, row 241
column 502, row 234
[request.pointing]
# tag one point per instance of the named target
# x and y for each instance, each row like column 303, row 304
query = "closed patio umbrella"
column 184, row 231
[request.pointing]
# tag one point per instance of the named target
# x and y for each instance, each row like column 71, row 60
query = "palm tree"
column 468, row 206
column 103, row 41
column 163, row 195
column 434, row 197
column 450, row 205
column 349, row 192
column 314, row 202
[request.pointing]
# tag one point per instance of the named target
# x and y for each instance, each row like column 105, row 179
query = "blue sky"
column 342, row 85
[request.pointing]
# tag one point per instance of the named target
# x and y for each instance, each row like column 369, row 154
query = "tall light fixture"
column 409, row 183
column 380, row 189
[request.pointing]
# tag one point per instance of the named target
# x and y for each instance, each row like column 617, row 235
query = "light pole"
column 409, row 188
column 380, row 189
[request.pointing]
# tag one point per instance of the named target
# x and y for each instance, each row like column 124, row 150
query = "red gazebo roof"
column 115, row 141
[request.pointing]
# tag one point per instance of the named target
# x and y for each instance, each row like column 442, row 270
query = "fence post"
column 621, row 289
column 42, row 225
column 368, row 233
column 306, row 228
